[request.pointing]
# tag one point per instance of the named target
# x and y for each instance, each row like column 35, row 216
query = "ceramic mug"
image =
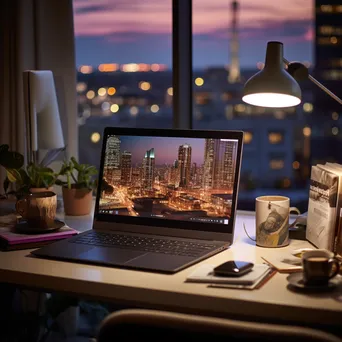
column 38, row 209
column 272, row 220
column 319, row 266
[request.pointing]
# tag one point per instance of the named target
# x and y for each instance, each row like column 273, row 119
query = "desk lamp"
column 43, row 124
column 274, row 86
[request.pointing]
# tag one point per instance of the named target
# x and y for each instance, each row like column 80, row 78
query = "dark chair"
column 153, row 325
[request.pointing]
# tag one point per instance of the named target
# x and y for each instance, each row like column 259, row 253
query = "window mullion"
column 182, row 63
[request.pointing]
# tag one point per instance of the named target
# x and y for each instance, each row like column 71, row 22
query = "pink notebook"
column 10, row 240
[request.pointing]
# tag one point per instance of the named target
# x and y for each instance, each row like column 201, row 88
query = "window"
column 247, row 137
column 326, row 8
column 276, row 164
column 328, row 41
column 275, row 137
column 124, row 68
column 336, row 62
column 329, row 9
column 332, row 75
column 330, row 30
column 131, row 82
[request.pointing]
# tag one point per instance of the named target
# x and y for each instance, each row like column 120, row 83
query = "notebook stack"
column 249, row 281
column 11, row 240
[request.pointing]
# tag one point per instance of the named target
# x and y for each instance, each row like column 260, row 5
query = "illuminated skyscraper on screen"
column 112, row 170
column 184, row 159
column 148, row 165
column 225, row 155
column 219, row 164
column 126, row 168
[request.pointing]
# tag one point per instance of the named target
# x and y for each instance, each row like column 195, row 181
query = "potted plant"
column 77, row 187
column 35, row 177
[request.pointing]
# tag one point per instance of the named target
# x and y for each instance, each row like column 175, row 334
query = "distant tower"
column 234, row 70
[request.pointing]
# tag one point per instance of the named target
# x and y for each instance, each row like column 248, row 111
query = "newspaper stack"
column 324, row 209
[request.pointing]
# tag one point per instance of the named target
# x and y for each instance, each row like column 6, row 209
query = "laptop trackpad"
column 114, row 256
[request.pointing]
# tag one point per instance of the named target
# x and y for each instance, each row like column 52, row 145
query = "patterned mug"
column 38, row 209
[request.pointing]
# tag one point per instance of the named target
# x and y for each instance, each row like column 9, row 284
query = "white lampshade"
column 44, row 129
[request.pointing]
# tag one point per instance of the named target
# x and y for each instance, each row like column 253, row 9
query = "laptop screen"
column 168, row 179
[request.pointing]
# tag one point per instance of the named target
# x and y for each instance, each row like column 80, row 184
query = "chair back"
column 154, row 325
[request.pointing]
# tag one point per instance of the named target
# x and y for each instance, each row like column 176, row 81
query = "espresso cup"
column 38, row 209
column 272, row 220
column 319, row 266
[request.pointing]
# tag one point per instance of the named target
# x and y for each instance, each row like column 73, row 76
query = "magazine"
column 337, row 168
column 322, row 207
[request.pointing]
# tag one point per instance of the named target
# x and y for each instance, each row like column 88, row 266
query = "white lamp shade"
column 43, row 119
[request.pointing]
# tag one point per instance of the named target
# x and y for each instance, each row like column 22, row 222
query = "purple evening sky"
column 136, row 31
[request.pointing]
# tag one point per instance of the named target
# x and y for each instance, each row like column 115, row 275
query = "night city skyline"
column 119, row 31
column 182, row 189
column 165, row 149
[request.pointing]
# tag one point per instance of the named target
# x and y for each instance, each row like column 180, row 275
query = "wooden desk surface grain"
column 272, row 300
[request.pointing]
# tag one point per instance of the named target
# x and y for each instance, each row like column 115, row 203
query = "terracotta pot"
column 77, row 201
column 34, row 190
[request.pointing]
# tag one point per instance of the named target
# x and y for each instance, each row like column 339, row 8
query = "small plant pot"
column 77, row 202
column 35, row 190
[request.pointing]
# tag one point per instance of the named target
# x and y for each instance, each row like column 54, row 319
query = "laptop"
column 166, row 199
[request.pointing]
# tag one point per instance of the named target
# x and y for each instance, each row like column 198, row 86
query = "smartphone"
column 233, row 268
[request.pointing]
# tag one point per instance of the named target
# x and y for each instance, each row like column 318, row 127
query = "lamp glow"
column 272, row 100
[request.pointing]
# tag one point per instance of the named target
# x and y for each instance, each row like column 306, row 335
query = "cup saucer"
column 23, row 228
column 296, row 280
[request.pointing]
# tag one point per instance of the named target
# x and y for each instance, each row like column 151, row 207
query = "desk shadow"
column 247, row 240
column 32, row 256
column 333, row 293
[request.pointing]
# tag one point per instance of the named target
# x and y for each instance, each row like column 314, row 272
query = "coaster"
column 23, row 228
column 296, row 280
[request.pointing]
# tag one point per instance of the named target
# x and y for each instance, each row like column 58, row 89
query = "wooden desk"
column 272, row 302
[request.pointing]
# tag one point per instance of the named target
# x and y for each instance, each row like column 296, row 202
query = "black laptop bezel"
column 160, row 222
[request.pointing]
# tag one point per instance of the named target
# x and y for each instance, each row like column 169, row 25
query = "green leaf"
column 45, row 170
column 25, row 179
column 13, row 175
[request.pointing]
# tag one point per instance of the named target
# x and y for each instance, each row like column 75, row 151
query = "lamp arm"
column 326, row 90
column 319, row 84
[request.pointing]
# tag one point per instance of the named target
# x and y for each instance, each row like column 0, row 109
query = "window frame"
column 182, row 64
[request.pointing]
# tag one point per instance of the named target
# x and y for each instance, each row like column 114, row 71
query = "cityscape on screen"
column 188, row 179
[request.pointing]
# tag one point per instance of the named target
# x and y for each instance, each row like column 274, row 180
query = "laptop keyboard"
column 148, row 244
